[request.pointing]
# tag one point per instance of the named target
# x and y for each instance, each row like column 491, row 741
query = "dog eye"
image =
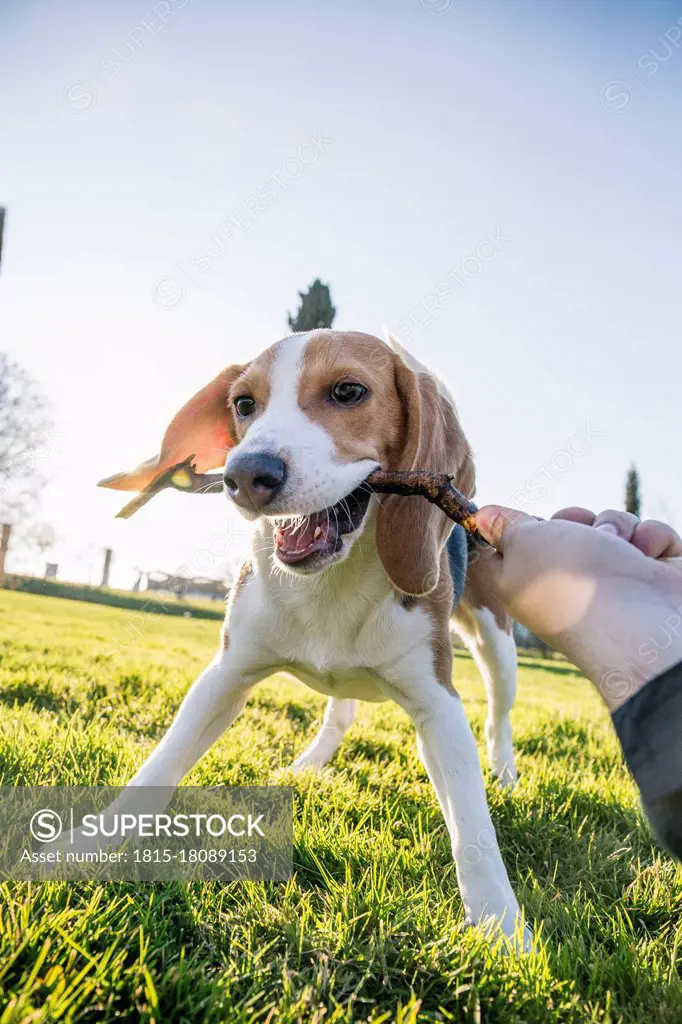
column 244, row 405
column 348, row 392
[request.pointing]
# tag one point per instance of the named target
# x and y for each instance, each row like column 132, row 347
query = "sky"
column 499, row 182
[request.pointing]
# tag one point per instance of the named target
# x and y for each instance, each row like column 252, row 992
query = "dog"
column 350, row 592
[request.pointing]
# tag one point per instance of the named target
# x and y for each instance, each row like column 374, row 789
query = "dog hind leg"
column 338, row 718
column 494, row 651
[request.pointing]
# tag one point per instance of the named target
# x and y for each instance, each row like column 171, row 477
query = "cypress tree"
column 314, row 310
column 633, row 500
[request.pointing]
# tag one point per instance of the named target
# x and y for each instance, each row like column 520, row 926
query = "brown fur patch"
column 410, row 531
column 202, row 428
column 480, row 589
column 253, row 381
column 438, row 605
column 245, row 571
column 371, row 430
column 404, row 422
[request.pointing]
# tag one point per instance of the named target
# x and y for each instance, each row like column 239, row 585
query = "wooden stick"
column 181, row 477
column 435, row 487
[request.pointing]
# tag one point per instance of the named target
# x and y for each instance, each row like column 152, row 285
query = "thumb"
column 496, row 521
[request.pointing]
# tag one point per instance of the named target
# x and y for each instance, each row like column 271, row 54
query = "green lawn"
column 371, row 926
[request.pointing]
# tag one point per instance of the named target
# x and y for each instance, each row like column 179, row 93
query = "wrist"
column 624, row 645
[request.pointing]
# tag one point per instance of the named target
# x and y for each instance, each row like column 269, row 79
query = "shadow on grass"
column 37, row 697
column 568, row 738
column 562, row 833
column 573, row 840
column 554, row 668
column 374, row 750
column 294, row 711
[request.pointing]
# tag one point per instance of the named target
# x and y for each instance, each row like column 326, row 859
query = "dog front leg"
column 211, row 705
column 448, row 750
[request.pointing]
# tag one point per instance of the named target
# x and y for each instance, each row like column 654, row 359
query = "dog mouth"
column 305, row 541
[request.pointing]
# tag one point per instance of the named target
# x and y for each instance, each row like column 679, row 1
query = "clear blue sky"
column 131, row 131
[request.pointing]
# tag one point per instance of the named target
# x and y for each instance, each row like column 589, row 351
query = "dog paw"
column 510, row 932
column 501, row 753
column 508, row 929
column 506, row 775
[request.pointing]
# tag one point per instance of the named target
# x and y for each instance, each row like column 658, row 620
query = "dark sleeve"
column 649, row 727
column 458, row 557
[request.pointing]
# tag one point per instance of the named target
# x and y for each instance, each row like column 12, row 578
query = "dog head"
column 300, row 428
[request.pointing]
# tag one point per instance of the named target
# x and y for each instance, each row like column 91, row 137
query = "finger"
column 575, row 515
column 657, row 540
column 496, row 521
column 620, row 524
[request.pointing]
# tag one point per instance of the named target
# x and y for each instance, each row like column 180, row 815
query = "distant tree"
column 23, row 439
column 315, row 309
column 633, row 499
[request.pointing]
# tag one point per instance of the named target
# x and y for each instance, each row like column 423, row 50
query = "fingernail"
column 609, row 528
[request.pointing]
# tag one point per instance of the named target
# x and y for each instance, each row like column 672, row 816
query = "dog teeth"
column 318, row 532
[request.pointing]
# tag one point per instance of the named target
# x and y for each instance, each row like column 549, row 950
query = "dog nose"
column 254, row 478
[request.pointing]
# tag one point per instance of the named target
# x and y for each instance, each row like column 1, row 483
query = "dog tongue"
column 296, row 542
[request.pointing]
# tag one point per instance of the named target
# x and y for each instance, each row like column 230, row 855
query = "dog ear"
column 201, row 428
column 410, row 531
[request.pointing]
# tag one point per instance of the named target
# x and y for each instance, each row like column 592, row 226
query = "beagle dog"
column 349, row 592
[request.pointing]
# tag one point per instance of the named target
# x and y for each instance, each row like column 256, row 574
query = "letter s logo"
column 46, row 826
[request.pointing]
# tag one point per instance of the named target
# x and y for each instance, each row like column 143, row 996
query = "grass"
column 371, row 926
column 143, row 601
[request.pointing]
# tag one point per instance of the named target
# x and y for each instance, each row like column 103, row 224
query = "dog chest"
column 341, row 654
column 359, row 683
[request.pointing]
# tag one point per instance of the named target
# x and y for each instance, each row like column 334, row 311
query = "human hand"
column 605, row 590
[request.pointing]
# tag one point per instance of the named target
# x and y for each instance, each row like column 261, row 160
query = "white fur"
column 338, row 718
column 343, row 632
column 315, row 478
column 494, row 651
